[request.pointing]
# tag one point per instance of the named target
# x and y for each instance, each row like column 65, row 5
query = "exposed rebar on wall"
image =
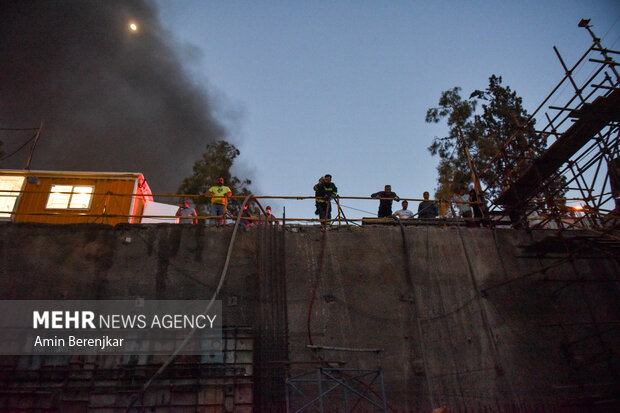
column 272, row 347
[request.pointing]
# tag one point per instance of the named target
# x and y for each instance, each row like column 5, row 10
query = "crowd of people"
column 219, row 195
column 467, row 203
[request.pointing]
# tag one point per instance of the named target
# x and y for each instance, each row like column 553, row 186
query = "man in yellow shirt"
column 219, row 195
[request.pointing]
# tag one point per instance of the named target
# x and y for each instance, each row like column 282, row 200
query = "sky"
column 342, row 87
column 302, row 88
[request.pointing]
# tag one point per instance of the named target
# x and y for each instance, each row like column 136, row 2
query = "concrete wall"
column 464, row 316
column 469, row 318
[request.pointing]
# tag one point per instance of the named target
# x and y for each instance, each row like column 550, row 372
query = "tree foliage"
column 216, row 162
column 484, row 133
column 453, row 168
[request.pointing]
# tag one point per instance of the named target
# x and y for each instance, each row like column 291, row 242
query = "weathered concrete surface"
column 469, row 318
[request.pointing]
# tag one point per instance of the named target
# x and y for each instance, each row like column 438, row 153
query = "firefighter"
column 324, row 193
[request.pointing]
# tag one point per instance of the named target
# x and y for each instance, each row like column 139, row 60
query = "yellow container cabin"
column 65, row 197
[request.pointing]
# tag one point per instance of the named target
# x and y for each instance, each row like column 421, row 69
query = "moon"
column 133, row 27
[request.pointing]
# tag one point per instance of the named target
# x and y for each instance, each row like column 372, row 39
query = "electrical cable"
column 611, row 27
column 356, row 209
column 316, row 286
column 18, row 149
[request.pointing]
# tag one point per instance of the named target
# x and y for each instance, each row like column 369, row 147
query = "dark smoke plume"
column 110, row 99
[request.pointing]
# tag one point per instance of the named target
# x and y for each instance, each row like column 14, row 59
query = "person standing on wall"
column 385, row 203
column 219, row 195
column 403, row 213
column 186, row 214
column 267, row 218
column 461, row 199
column 316, row 194
column 427, row 208
column 324, row 193
column 245, row 216
column 476, row 207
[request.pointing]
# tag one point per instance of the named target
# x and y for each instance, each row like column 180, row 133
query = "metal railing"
column 561, row 213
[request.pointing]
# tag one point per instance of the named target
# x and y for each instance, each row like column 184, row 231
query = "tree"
column 216, row 162
column 453, row 168
column 501, row 129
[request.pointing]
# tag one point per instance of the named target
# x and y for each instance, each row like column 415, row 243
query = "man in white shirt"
column 403, row 213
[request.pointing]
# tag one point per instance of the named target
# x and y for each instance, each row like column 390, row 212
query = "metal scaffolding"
column 581, row 166
column 352, row 385
column 331, row 386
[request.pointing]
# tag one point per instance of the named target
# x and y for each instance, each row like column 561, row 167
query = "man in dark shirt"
column 324, row 192
column 245, row 215
column 385, row 203
column 476, row 207
column 267, row 218
column 316, row 195
column 426, row 208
